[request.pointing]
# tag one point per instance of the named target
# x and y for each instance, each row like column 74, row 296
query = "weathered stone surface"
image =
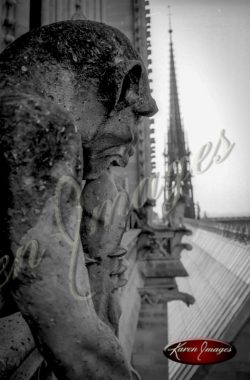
column 16, row 343
column 72, row 95
column 101, row 242
column 161, row 268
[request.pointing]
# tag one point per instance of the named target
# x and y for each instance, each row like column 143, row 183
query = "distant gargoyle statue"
column 71, row 97
column 154, row 296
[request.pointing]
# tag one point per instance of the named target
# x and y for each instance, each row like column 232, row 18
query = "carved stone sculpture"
column 72, row 94
column 158, row 296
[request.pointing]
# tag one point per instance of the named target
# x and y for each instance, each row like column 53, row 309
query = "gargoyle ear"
column 121, row 85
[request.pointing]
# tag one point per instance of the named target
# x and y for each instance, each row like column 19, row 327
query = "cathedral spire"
column 177, row 139
column 170, row 31
column 177, row 151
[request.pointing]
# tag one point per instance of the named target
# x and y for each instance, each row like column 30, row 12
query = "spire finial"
column 170, row 30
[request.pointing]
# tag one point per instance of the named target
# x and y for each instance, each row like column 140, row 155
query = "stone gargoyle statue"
column 71, row 97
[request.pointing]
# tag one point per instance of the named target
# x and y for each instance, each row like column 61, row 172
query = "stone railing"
column 237, row 228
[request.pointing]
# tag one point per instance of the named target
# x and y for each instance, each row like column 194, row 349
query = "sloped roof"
column 219, row 278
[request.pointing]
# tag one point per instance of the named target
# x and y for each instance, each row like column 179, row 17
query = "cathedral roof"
column 218, row 269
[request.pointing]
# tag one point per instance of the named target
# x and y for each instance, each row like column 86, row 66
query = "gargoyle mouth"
column 114, row 163
column 121, row 159
column 97, row 164
column 118, row 161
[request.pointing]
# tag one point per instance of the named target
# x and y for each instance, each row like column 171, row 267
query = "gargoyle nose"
column 146, row 106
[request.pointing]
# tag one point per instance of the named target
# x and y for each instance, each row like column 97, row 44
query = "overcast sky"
column 212, row 56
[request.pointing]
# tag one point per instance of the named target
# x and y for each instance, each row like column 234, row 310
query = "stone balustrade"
column 237, row 228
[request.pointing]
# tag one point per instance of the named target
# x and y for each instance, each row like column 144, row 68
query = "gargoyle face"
column 114, row 141
column 108, row 114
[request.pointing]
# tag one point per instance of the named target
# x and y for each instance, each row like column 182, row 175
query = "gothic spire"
column 177, row 152
column 176, row 135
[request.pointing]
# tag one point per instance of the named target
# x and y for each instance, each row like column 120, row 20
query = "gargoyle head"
column 93, row 72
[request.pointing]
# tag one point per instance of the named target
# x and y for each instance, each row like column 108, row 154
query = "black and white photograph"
column 125, row 202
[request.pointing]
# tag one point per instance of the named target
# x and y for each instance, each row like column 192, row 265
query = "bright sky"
column 212, row 57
